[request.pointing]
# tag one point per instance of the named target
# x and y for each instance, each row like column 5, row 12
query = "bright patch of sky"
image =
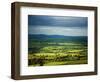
column 58, row 31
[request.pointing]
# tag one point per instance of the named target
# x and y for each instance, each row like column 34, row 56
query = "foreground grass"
column 63, row 63
column 60, row 54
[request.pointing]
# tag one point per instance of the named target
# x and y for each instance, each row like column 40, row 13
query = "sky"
column 57, row 25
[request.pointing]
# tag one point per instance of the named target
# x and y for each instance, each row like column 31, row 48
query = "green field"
column 51, row 52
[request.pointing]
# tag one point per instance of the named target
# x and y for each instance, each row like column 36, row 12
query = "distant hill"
column 57, row 38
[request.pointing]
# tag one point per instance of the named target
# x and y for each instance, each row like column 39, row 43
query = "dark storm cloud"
column 63, row 21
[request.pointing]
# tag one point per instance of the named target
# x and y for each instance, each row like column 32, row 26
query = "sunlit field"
column 56, row 51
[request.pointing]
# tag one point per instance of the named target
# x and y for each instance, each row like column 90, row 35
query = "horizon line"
column 53, row 35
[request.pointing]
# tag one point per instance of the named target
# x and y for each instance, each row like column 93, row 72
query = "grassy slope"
column 51, row 52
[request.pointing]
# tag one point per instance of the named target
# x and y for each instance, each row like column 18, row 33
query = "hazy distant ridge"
column 43, row 37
